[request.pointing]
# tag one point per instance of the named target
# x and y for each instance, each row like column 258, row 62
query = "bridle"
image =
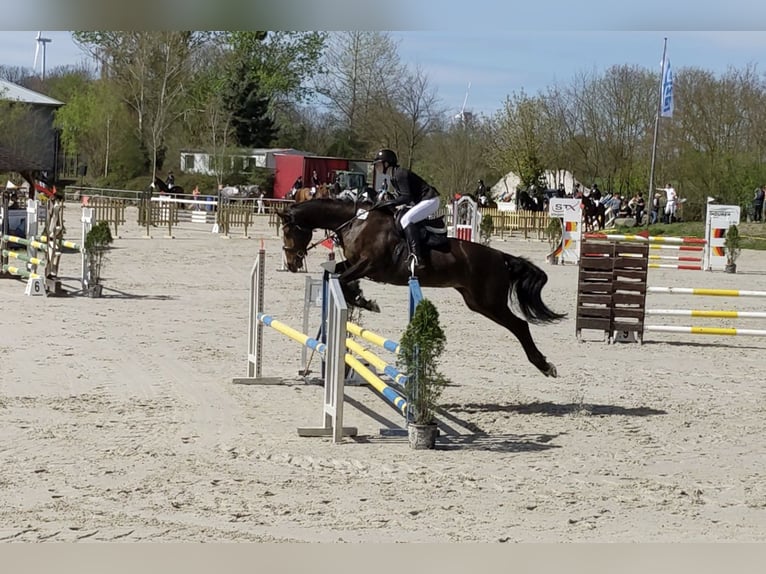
column 301, row 253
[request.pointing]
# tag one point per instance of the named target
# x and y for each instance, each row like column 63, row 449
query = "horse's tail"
column 527, row 282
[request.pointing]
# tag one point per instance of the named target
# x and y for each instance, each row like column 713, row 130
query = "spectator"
column 261, row 195
column 637, row 206
column 314, row 182
column 655, row 212
column 624, row 209
column 671, row 202
column 195, row 197
column 758, row 198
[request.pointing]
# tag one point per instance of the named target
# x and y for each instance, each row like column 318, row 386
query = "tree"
column 360, row 71
column 419, row 111
column 150, row 69
column 517, row 137
column 249, row 109
column 93, row 123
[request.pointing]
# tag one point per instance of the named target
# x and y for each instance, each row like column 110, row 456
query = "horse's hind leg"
column 498, row 311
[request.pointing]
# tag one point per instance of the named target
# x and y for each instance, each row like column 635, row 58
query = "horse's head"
column 295, row 240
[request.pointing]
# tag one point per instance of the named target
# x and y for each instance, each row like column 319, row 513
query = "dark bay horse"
column 163, row 187
column 593, row 213
column 375, row 249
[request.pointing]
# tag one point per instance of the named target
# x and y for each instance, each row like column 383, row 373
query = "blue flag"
column 667, row 91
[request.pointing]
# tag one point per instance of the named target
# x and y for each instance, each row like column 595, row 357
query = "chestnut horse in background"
column 304, row 194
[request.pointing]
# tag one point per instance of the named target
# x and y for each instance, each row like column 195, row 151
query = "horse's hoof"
column 551, row 371
column 373, row 307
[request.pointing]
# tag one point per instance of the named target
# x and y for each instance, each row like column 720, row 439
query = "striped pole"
column 661, row 257
column 382, row 367
column 669, row 266
column 19, row 272
column 371, row 337
column 385, row 390
column 309, row 342
column 64, row 243
column 710, row 314
column 706, row 292
column 399, row 402
column 705, row 330
column 698, row 248
column 23, row 257
column 27, row 242
column 648, row 239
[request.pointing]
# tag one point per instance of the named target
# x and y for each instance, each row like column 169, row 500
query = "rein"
column 335, row 233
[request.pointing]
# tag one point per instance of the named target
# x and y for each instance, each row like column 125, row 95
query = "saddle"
column 432, row 232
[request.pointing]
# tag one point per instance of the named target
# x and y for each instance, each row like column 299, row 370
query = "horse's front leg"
column 350, row 274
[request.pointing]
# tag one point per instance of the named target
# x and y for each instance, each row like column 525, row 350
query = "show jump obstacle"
column 687, row 253
column 335, row 347
column 612, row 297
column 40, row 264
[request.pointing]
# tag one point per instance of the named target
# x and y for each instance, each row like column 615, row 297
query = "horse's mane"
column 324, row 211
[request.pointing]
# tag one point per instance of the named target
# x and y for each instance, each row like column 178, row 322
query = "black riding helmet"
column 388, row 156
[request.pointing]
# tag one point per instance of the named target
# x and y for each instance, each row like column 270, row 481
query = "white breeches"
column 420, row 211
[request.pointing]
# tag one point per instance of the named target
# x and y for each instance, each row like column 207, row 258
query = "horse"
column 304, row 193
column 529, row 203
column 163, row 187
column 489, row 280
column 593, row 213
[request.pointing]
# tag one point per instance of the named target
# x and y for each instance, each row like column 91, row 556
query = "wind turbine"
column 41, row 42
column 463, row 115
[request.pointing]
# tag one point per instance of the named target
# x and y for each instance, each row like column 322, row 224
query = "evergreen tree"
column 250, row 111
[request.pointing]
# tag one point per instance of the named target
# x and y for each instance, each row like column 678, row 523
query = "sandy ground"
column 120, row 420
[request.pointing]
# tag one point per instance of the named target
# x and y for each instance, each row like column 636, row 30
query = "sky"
column 498, row 63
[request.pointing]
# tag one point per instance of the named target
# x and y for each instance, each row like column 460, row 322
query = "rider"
column 171, row 180
column 314, row 182
column 296, row 186
column 410, row 188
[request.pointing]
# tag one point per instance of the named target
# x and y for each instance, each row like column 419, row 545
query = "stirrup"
column 413, row 263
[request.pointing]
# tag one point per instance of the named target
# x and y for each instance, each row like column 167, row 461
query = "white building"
column 240, row 160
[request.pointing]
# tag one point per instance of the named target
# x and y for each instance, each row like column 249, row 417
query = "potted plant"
column 419, row 350
column 97, row 242
column 733, row 246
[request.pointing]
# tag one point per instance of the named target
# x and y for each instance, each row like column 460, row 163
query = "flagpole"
column 650, row 197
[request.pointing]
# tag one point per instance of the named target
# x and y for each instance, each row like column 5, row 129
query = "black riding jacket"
column 410, row 187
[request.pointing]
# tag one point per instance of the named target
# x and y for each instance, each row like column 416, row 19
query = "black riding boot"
column 413, row 245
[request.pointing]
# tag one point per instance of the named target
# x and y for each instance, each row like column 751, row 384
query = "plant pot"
column 730, row 268
column 422, row 436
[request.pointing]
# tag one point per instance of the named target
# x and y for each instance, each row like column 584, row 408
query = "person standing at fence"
column 671, row 202
column 758, row 198
column 261, row 195
column 655, row 212
column 195, row 197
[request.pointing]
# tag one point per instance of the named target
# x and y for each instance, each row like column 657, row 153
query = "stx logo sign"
column 564, row 207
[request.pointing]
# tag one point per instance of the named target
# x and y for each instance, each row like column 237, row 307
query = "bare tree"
column 361, row 69
column 418, row 105
column 150, row 68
